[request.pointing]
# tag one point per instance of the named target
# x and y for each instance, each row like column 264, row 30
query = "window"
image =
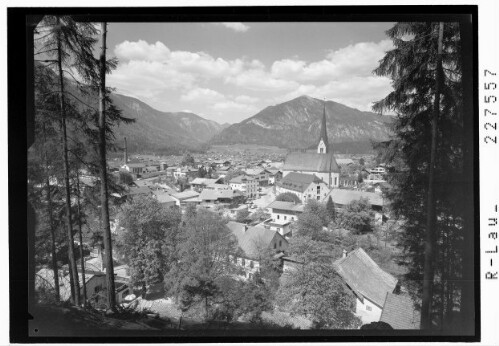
column 251, row 264
column 368, row 308
column 275, row 245
column 278, row 217
column 318, row 189
column 318, row 197
column 285, row 217
column 280, row 243
column 335, row 180
column 244, row 262
column 322, row 150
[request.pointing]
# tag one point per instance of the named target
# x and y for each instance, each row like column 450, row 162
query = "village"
column 262, row 197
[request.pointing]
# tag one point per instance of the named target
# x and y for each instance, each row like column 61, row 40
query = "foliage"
column 288, row 197
column 149, row 238
column 187, row 160
column 242, row 215
column 315, row 216
column 358, row 216
column 202, row 172
column 125, row 178
column 201, row 258
column 331, row 209
column 411, row 66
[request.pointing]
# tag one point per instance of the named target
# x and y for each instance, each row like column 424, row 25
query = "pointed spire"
column 323, row 135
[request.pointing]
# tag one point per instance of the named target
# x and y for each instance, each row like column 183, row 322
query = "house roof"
column 185, row 194
column 298, row 181
column 344, row 197
column 344, row 161
column 140, row 190
column 399, row 312
column 289, row 206
column 241, row 179
column 218, row 187
column 163, row 197
column 310, row 162
column 213, row 195
column 365, row 277
column 253, row 240
column 254, row 171
column 203, row 181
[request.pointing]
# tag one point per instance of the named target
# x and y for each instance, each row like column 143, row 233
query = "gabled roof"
column 203, row 181
column 185, row 194
column 213, row 195
column 344, row 197
column 298, row 181
column 163, row 197
column 253, row 240
column 310, row 162
column 241, row 179
column 399, row 312
column 365, row 277
column 289, row 206
column 254, row 171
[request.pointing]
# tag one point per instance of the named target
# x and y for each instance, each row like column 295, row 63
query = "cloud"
column 354, row 60
column 236, row 26
column 202, row 95
column 141, row 50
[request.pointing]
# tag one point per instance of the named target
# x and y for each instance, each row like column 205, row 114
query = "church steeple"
column 323, row 145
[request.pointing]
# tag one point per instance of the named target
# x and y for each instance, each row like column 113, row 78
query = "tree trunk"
column 51, row 222
column 75, row 286
column 426, row 321
column 106, row 229
column 82, row 258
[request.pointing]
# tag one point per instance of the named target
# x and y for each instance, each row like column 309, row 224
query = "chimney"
column 126, row 154
column 344, row 253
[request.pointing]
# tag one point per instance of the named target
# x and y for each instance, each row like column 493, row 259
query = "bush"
column 288, row 197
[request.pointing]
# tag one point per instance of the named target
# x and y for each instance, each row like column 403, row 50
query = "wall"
column 367, row 316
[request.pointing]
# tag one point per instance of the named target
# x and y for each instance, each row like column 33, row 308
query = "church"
column 321, row 163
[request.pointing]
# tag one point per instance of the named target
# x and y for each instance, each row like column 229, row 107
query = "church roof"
column 298, row 182
column 311, row 162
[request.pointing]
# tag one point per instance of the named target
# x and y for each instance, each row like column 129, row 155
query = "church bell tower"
column 323, row 145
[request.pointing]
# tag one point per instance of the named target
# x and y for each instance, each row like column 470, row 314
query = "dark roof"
column 399, row 312
column 344, row 197
column 298, row 181
column 254, row 239
column 310, row 162
column 365, row 277
column 241, row 179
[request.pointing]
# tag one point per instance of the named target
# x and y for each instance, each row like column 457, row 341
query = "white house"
column 305, row 186
column 260, row 174
column 368, row 282
column 253, row 243
column 282, row 214
column 247, row 185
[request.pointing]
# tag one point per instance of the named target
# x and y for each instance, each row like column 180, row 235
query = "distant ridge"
column 295, row 124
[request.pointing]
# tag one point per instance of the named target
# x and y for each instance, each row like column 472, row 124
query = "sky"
column 227, row 72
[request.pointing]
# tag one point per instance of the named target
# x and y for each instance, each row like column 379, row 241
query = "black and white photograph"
column 299, row 173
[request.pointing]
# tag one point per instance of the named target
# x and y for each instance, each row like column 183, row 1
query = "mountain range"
column 155, row 130
column 295, row 124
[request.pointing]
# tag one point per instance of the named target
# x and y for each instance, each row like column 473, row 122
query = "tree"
column 242, row 215
column 187, row 160
column 425, row 66
column 315, row 216
column 288, row 197
column 362, row 162
column 125, row 178
column 201, row 172
column 148, row 240
column 314, row 289
column 331, row 209
column 358, row 216
column 201, row 258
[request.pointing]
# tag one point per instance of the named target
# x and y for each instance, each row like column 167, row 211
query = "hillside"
column 154, row 130
column 296, row 124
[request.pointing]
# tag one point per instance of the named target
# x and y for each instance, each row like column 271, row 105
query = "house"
column 399, row 311
column 253, row 242
column 342, row 197
column 321, row 163
column 260, row 174
column 368, row 282
column 247, row 185
column 305, row 186
column 274, row 175
column 182, row 197
column 217, row 186
column 344, row 162
column 134, row 166
column 219, row 196
column 349, row 182
column 200, row 183
column 165, row 199
column 282, row 215
column 170, row 171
